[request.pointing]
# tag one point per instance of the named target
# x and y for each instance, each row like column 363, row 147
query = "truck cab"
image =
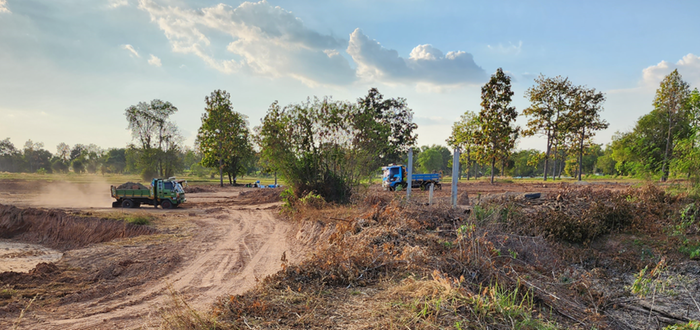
column 394, row 177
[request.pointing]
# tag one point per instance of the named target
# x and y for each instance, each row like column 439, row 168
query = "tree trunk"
column 230, row 181
column 493, row 167
column 546, row 157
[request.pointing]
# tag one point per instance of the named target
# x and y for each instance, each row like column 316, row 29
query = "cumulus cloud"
column 132, row 51
column 155, row 61
column 266, row 40
column 3, row 7
column 425, row 64
column 688, row 67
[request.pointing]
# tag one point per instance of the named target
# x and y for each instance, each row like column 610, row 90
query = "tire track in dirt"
column 229, row 253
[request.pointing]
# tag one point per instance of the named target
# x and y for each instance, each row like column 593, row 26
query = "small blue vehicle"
column 394, row 178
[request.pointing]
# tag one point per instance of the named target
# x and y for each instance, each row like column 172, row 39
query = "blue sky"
column 69, row 68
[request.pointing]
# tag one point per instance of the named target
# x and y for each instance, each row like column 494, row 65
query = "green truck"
column 168, row 193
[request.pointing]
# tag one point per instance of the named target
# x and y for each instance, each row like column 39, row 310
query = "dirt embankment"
column 59, row 230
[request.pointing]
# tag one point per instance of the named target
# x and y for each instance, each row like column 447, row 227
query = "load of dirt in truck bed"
column 133, row 185
column 60, row 230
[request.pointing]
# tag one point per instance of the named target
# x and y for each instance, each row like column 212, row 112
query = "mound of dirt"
column 197, row 189
column 261, row 195
column 133, row 185
column 59, row 230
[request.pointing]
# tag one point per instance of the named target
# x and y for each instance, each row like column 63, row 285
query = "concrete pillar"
column 455, row 176
column 409, row 176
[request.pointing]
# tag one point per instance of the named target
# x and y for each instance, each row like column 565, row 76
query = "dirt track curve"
column 231, row 246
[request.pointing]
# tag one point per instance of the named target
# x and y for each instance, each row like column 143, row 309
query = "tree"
column 671, row 99
column 549, row 106
column 327, row 146
column 463, row 136
column 496, row 136
column 63, row 151
column 224, row 139
column 584, row 119
column 385, row 129
column 159, row 138
column 9, row 156
column 430, row 160
column 115, row 160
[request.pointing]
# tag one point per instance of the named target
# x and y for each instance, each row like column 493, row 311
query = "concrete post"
column 455, row 176
column 409, row 176
column 430, row 194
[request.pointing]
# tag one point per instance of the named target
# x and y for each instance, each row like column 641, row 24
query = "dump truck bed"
column 130, row 193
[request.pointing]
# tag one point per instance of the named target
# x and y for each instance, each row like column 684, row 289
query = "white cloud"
column 3, row 7
column 155, row 61
column 510, row 49
column 266, row 40
column 688, row 67
column 425, row 64
column 131, row 49
column 117, row 3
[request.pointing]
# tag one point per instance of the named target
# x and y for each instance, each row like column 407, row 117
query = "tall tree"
column 549, row 106
column 224, row 138
column 671, row 99
column 463, row 136
column 497, row 135
column 159, row 138
column 385, row 129
column 584, row 119
column 63, row 151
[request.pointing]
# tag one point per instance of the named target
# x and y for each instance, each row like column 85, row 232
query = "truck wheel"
column 127, row 204
column 166, row 204
column 137, row 205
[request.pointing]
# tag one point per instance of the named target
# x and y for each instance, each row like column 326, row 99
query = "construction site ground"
column 223, row 241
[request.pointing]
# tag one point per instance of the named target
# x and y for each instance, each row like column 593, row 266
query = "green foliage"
column 224, row 138
column 138, row 219
column 583, row 120
column 550, row 103
column 496, row 136
column 158, row 148
column 463, row 136
column 432, row 159
column 328, row 147
column 691, row 325
column 671, row 101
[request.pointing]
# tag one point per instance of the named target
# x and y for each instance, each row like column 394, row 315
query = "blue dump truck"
column 394, row 178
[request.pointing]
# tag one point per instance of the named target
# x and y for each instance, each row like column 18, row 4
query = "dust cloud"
column 73, row 195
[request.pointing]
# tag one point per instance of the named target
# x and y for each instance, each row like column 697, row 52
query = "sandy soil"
column 21, row 257
column 223, row 244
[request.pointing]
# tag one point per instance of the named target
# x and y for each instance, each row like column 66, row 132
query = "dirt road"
column 226, row 247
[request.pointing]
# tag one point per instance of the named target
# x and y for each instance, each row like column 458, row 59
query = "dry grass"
column 505, row 264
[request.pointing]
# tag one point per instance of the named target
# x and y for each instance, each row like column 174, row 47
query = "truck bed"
column 429, row 177
column 130, row 193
